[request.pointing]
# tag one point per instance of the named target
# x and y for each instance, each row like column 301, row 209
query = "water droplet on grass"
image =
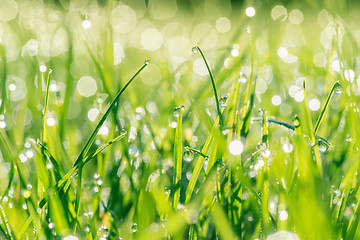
column 182, row 107
column 242, row 77
column 223, row 101
column 266, row 153
column 123, row 132
column 133, row 151
column 296, row 121
column 322, row 146
column 195, row 49
column 134, row 227
column 147, row 62
column 188, row 155
column 261, row 146
column 287, row 147
column 176, row 112
column 261, row 112
column 338, row 89
column 51, row 225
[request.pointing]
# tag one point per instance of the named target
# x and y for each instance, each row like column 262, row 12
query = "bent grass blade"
column 323, row 110
column 81, row 158
column 197, row 48
column 102, row 120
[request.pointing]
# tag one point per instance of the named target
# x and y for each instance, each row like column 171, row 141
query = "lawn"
column 170, row 119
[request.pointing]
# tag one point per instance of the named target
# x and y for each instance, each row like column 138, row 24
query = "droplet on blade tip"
column 176, row 112
column 338, row 89
column 188, row 155
column 223, row 101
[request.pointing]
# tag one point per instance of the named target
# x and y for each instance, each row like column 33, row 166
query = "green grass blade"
column 100, row 149
column 197, row 151
column 3, row 78
column 177, row 160
column 293, row 128
column 58, row 170
column 198, row 166
column 323, row 110
column 233, row 108
column 64, row 182
column 5, row 222
column 102, row 120
column 249, row 96
column 68, row 90
column 43, row 138
column 25, row 227
column 221, row 222
column 280, row 123
column 99, row 68
column 197, row 48
column 265, row 172
column 6, row 146
column 200, row 162
column 9, row 154
column 57, row 213
column 78, row 196
column 312, row 132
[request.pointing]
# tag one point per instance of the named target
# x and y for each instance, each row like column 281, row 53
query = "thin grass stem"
column 212, row 82
column 323, row 110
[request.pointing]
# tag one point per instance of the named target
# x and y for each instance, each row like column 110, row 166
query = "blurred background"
column 94, row 47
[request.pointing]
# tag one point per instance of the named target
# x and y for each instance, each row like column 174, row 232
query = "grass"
column 189, row 147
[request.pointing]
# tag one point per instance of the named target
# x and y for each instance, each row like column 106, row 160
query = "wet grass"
column 204, row 153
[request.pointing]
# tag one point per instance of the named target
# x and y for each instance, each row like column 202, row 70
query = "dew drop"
column 51, row 225
column 266, row 153
column 133, row 151
column 182, row 107
column 134, row 227
column 223, row 101
column 123, row 131
column 287, row 147
column 147, row 62
column 242, row 77
column 50, row 71
column 338, row 89
column 188, row 155
column 27, row 193
column 261, row 112
column 322, row 146
column 296, row 121
column 195, row 49
column 176, row 112
column 261, row 146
